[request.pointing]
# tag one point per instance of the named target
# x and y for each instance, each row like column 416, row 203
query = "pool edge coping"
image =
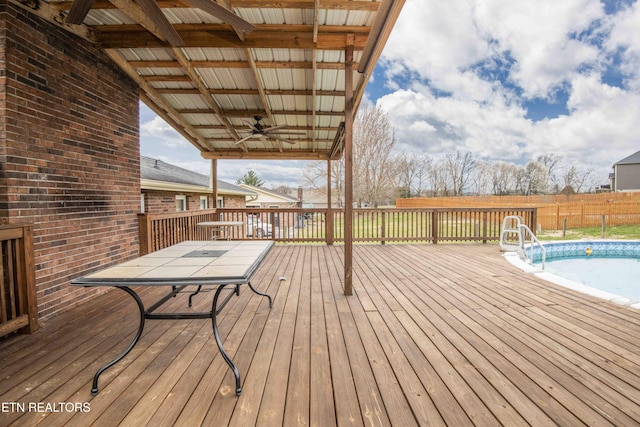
column 514, row 259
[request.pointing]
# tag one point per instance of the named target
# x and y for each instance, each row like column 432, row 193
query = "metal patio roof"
column 283, row 60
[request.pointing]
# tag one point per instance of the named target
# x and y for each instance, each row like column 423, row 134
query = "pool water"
column 608, row 269
column 620, row 276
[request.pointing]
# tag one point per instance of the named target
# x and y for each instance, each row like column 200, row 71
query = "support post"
column 329, row 220
column 214, row 182
column 348, row 166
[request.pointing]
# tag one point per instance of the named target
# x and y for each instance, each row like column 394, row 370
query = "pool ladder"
column 514, row 237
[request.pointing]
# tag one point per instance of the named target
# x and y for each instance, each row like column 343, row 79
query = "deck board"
column 433, row 335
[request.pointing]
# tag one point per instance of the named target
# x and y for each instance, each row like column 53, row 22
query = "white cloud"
column 625, row 37
column 477, row 62
column 537, row 36
column 160, row 132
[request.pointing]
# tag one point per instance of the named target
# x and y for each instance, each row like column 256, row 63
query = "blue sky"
column 505, row 80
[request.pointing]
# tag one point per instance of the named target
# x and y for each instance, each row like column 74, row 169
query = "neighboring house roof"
column 632, row 159
column 158, row 175
column 266, row 196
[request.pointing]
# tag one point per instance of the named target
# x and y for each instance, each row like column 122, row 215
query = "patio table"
column 201, row 263
column 220, row 229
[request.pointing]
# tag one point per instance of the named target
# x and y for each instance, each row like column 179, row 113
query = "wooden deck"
column 433, row 335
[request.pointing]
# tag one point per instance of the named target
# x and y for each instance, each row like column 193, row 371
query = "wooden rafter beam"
column 251, row 113
column 141, row 38
column 314, row 73
column 266, row 155
column 261, row 93
column 231, row 141
column 150, row 16
column 238, row 30
column 290, row 128
column 240, row 92
column 365, row 6
column 289, row 65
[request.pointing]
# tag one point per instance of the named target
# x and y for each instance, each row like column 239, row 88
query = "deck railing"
column 18, row 310
column 325, row 226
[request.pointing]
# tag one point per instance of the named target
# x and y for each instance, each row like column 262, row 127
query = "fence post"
column 434, row 226
column 564, row 228
column 603, row 226
column 484, row 227
column 382, row 228
column 329, row 226
column 30, row 278
column 144, row 234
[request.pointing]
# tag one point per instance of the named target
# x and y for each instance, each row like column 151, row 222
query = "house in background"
column 169, row 188
column 266, row 199
column 315, row 198
column 626, row 174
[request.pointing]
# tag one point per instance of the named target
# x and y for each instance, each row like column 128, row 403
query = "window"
column 181, row 203
column 204, row 202
column 220, row 202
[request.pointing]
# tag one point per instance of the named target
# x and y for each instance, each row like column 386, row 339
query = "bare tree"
column 504, row 178
column 459, row 167
column 576, row 178
column 482, row 179
column 551, row 162
column 412, row 174
column 535, row 179
column 315, row 176
column 373, row 163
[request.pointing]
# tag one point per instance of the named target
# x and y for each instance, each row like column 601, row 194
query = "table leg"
column 216, row 334
column 94, row 388
column 191, row 295
column 255, row 291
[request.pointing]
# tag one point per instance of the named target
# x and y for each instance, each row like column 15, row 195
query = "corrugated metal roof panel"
column 282, row 35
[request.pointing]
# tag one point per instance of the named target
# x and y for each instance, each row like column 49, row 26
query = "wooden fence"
column 579, row 210
column 18, row 310
column 324, row 226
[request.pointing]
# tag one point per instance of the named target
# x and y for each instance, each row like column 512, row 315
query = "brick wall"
column 235, row 202
column 165, row 201
column 69, row 153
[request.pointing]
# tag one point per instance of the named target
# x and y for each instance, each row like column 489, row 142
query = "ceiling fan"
column 80, row 8
column 257, row 130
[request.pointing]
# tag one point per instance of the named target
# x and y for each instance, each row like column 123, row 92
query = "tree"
column 535, row 179
column 576, row 178
column 374, row 165
column 503, row 178
column 460, row 167
column 315, row 176
column 251, row 178
column 411, row 174
column 550, row 162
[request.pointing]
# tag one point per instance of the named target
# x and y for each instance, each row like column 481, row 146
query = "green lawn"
column 626, row 232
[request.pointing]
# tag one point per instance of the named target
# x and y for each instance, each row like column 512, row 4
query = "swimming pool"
column 606, row 269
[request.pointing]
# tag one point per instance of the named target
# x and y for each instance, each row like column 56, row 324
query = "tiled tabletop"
column 190, row 262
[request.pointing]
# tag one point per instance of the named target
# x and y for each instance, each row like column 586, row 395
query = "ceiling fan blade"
column 280, row 139
column 273, row 128
column 154, row 13
column 240, row 141
column 251, row 125
column 78, row 11
column 286, row 132
column 222, row 13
